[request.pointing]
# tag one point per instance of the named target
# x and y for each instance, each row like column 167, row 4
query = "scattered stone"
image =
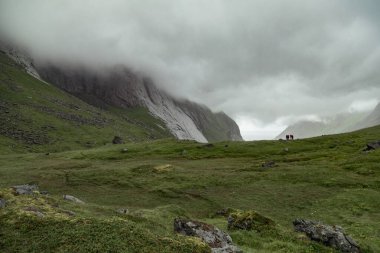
column 248, row 220
column 332, row 236
column 122, row 210
column 73, row 199
column 372, row 146
column 286, row 149
column 269, row 164
column 35, row 211
column 219, row 241
column 183, row 152
column 117, row 140
column 2, row 203
column 25, row 189
column 124, row 150
column 225, row 212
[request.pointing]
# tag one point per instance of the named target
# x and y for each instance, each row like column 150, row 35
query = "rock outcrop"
column 219, row 241
column 72, row 198
column 25, row 189
column 372, row 145
column 332, row 236
column 123, row 88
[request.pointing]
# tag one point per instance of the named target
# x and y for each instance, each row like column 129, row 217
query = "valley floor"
column 328, row 178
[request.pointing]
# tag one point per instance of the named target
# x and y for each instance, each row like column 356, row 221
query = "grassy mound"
column 57, row 230
column 249, row 220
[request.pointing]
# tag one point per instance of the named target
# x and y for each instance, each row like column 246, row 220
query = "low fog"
column 265, row 63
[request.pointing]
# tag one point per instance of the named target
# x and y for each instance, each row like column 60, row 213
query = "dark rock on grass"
column 117, row 140
column 72, row 198
column 2, row 203
column 225, row 212
column 332, row 236
column 372, row 146
column 219, row 241
column 268, row 164
column 249, row 220
column 25, row 189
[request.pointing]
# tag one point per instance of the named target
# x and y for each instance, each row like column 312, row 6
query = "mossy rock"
column 249, row 220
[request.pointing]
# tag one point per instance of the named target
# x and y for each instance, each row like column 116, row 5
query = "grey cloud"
column 264, row 60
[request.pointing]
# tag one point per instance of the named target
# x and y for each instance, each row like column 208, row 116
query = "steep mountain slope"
column 36, row 116
column 122, row 88
column 341, row 123
column 215, row 126
column 373, row 119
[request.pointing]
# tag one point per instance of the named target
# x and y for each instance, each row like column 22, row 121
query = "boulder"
column 372, row 146
column 248, row 220
column 72, row 198
column 25, row 189
column 268, row 164
column 117, row 140
column 332, row 236
column 2, row 203
column 219, row 241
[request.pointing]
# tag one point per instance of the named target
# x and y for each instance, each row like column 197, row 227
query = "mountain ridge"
column 123, row 88
column 340, row 123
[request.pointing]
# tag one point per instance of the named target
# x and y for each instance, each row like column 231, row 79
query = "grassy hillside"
column 326, row 178
column 36, row 116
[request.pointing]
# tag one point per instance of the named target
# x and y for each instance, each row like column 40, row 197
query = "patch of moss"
column 249, row 220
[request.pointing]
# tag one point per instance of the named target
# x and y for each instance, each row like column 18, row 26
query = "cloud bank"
column 265, row 63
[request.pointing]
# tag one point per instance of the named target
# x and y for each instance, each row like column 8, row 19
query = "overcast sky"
column 265, row 63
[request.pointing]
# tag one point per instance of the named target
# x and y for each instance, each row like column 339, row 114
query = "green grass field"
column 38, row 117
column 328, row 178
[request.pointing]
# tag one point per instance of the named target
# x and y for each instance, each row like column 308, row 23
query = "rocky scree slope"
column 120, row 87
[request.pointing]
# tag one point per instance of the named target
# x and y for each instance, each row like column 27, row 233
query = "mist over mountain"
column 257, row 61
column 120, row 87
column 341, row 123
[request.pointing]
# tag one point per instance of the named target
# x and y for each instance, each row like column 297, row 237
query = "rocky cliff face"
column 120, row 87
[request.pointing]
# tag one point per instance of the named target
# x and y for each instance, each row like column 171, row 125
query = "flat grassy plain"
column 328, row 178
